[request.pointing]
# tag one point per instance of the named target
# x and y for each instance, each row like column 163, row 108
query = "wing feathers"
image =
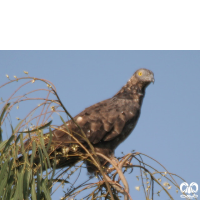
column 101, row 122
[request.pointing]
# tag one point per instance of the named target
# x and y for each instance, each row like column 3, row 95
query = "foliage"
column 28, row 163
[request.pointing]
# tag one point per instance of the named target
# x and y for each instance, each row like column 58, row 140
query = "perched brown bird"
column 106, row 124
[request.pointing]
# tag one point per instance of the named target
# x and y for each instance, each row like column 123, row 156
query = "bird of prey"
column 106, row 124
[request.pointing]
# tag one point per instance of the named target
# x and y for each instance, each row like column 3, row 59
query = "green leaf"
column 41, row 157
column 10, row 166
column 1, row 117
column 2, row 144
column 33, row 193
column 4, row 110
column 26, row 183
column 33, row 152
column 19, row 189
column 64, row 123
column 45, row 189
column 50, row 139
column 53, row 171
column 3, row 176
column 39, row 185
column 3, row 184
column 18, row 137
column 44, row 151
column 8, row 143
column 22, row 144
column 10, row 187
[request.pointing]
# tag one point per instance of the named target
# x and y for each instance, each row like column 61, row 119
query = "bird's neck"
column 134, row 92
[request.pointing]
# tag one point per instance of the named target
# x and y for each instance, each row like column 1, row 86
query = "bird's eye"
column 140, row 73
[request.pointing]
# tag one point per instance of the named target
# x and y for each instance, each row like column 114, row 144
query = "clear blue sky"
column 169, row 126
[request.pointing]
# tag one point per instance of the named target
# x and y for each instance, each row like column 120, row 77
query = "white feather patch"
column 79, row 119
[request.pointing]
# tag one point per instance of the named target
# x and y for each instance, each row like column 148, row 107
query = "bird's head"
column 136, row 84
column 144, row 76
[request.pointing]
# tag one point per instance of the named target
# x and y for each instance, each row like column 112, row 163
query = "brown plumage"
column 107, row 123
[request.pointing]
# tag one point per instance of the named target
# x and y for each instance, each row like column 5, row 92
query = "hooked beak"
column 151, row 78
